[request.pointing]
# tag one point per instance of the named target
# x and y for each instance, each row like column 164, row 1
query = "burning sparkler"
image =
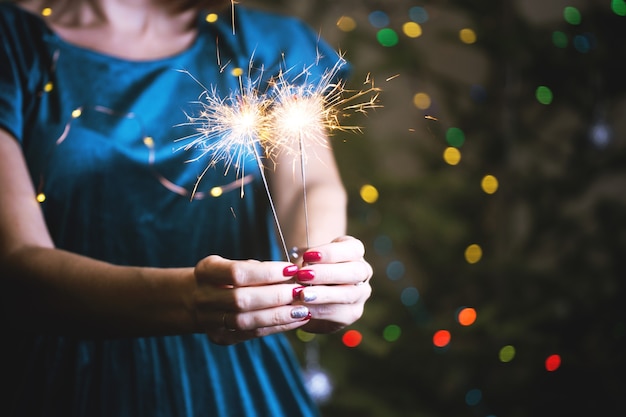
column 304, row 113
column 291, row 115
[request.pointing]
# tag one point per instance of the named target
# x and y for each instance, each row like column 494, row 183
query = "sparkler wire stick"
column 303, row 173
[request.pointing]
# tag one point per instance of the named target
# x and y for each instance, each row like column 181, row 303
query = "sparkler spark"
column 304, row 114
column 291, row 115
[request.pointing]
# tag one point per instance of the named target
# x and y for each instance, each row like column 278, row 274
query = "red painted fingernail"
column 308, row 317
column 305, row 275
column 295, row 293
column 312, row 256
column 290, row 271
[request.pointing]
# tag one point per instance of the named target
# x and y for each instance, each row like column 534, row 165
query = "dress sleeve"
column 20, row 74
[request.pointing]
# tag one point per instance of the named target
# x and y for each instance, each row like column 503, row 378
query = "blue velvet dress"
column 99, row 137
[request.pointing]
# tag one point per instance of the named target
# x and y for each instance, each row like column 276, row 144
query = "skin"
column 48, row 290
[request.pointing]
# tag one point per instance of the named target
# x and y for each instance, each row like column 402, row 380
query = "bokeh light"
column 572, row 15
column 452, row 156
column 76, row 113
column 418, row 14
column 618, row 7
column 378, row 19
column 409, row 296
column 48, row 87
column 412, row 29
column 41, row 197
column 237, row 72
column 395, row 270
column 211, row 17
column 507, row 353
column 544, row 95
column 421, row 101
column 387, row 37
column 383, row 245
column 582, row 43
column 441, row 338
column 467, row 36
column 352, row 338
column 559, row 39
column 473, row 253
column 392, row 333
column 46, row 11
column 473, row 397
column 466, row 316
column 304, row 336
column 369, row 193
column 216, row 191
column 455, row 137
column 553, row 362
column 489, row 184
column 346, row 24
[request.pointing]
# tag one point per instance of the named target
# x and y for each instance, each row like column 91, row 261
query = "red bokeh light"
column 352, row 338
column 441, row 338
column 553, row 362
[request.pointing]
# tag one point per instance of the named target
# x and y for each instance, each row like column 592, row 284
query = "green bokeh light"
column 387, row 37
column 455, row 137
column 544, row 95
column 572, row 15
column 392, row 333
column 559, row 39
column 618, row 7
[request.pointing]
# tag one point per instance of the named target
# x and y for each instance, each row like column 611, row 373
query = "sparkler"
column 229, row 129
column 292, row 115
column 304, row 113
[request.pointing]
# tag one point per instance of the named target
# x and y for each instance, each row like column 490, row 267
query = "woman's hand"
column 335, row 280
column 241, row 300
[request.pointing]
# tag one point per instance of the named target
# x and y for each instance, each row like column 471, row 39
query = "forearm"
column 53, row 291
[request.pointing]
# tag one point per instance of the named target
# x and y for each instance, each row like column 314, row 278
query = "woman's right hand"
column 240, row 300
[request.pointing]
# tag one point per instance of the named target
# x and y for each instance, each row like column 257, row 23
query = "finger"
column 272, row 317
column 334, row 294
column 341, row 273
column 248, row 298
column 220, row 271
column 343, row 314
column 342, row 249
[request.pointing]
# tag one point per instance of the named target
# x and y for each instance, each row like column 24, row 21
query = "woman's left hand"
column 335, row 284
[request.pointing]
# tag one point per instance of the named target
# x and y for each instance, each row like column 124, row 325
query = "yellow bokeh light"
column 76, row 113
column 148, row 141
column 421, row 101
column 48, row 87
column 473, row 253
column 346, row 24
column 304, row 336
column 489, row 184
column 369, row 194
column 452, row 156
column 216, row 191
column 41, row 197
column 507, row 353
column 46, row 11
column 211, row 18
column 237, row 72
column 467, row 36
column 412, row 29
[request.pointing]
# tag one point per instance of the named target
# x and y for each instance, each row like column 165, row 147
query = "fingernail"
column 304, row 294
column 305, row 275
column 312, row 256
column 290, row 271
column 300, row 312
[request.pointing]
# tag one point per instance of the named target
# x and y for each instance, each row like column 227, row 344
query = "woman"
column 124, row 291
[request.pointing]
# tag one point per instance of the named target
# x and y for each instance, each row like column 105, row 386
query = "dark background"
column 553, row 235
